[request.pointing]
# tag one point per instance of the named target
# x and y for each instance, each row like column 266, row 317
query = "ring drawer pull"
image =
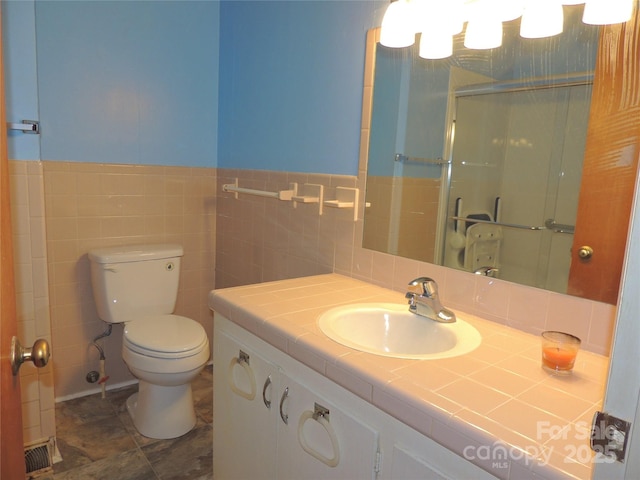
column 267, row 382
column 242, row 360
column 284, row 416
column 320, row 415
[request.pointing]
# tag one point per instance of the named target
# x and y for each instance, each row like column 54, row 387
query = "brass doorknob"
column 585, row 252
column 38, row 354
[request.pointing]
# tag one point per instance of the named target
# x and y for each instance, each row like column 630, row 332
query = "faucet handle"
column 411, row 300
column 487, row 271
column 429, row 286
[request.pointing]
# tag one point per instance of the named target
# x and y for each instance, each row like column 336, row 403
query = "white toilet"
column 137, row 285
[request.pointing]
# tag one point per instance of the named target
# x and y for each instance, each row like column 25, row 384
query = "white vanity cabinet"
column 268, row 426
column 243, row 437
column 265, row 428
column 336, row 446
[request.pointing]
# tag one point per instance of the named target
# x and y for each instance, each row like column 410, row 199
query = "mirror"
column 476, row 161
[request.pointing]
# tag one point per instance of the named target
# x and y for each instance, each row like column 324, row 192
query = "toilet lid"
column 168, row 336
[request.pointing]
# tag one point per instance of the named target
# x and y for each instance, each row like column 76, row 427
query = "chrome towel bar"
column 549, row 224
column 431, row 161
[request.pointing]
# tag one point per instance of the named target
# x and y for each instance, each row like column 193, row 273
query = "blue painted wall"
column 137, row 82
column 291, row 76
column 132, row 82
column 21, row 81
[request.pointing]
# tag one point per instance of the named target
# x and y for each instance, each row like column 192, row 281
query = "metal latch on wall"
column 26, row 126
column 609, row 435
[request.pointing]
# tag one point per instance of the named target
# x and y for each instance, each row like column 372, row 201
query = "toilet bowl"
column 165, row 353
column 137, row 286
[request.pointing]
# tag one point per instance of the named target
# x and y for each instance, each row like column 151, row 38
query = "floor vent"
column 39, row 459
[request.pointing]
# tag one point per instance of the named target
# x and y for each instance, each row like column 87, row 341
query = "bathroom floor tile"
column 91, row 441
column 186, row 457
column 97, row 440
column 130, row 465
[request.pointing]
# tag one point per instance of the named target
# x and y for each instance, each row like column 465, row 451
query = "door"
column 245, row 389
column 623, row 384
column 323, row 444
column 610, row 165
column 407, row 464
column 12, row 463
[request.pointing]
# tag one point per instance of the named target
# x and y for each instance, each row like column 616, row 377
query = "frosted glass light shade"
column 541, row 19
column 450, row 15
column 397, row 29
column 435, row 45
column 443, row 15
column 605, row 12
column 483, row 33
column 508, row 10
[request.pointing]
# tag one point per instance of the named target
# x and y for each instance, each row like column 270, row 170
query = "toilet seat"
column 165, row 336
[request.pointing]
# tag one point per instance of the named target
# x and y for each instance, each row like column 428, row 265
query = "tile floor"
column 97, row 440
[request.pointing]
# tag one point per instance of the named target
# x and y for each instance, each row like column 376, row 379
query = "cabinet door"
column 355, row 444
column 406, row 465
column 244, row 424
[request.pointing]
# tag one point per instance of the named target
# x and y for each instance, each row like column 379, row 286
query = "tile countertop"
column 493, row 401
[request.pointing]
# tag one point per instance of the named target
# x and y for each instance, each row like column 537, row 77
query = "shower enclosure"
column 513, row 179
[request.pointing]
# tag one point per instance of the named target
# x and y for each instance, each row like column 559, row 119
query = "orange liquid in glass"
column 558, row 359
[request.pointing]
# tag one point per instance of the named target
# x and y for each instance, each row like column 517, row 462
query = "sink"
column 391, row 330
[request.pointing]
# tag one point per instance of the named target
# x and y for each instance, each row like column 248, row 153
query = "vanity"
column 288, row 399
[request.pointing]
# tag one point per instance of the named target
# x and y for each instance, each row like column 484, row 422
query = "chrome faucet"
column 427, row 303
column 487, row 271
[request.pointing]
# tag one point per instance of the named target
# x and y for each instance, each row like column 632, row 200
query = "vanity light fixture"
column 435, row 45
column 397, row 29
column 483, row 33
column 437, row 23
column 541, row 18
column 603, row 12
column 508, row 10
column 438, row 20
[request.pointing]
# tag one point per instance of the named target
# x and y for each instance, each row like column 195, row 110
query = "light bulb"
column 435, row 45
column 443, row 15
column 605, row 12
column 483, row 32
column 397, row 29
column 508, row 10
column 541, row 18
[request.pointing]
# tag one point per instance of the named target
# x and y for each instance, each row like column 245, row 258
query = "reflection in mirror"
column 516, row 169
column 475, row 161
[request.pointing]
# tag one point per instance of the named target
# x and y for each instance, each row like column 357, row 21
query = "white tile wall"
column 30, row 258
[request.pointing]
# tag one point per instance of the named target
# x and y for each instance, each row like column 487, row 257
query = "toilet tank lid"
column 135, row 253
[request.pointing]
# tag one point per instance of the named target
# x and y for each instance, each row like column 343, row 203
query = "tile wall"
column 32, row 292
column 412, row 232
column 258, row 239
column 95, row 205
column 263, row 239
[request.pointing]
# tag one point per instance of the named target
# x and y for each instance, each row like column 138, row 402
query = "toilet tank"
column 135, row 280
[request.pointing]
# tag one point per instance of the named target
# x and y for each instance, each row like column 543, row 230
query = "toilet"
column 137, row 286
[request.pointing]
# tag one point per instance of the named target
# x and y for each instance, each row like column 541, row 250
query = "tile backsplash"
column 63, row 209
column 263, row 239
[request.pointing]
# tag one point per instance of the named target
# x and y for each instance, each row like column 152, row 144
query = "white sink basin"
column 391, row 330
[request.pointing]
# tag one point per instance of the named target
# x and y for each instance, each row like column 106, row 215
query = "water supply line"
column 103, row 377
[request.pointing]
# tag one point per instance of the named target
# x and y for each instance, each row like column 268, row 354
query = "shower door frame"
column 489, row 88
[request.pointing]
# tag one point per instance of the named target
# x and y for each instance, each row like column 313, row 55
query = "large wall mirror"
column 517, row 162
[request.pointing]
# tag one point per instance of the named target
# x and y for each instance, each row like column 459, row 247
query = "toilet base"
column 162, row 412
